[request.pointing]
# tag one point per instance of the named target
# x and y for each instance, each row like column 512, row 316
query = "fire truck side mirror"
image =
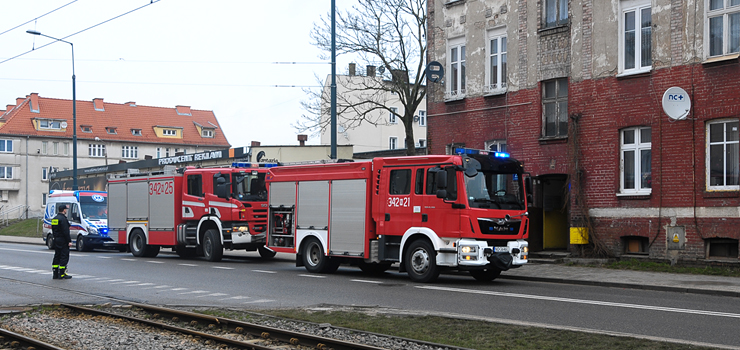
column 528, row 190
column 442, row 194
column 440, row 177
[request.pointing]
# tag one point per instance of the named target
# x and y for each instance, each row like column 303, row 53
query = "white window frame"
column 456, row 77
column 167, row 152
column 111, row 131
column 636, row 147
column 724, row 143
column 44, row 173
column 96, row 150
column 136, row 132
column 44, row 198
column 207, row 133
column 729, row 8
column 44, row 147
column 422, row 143
column 6, row 172
column 557, row 100
column 422, row 118
column 130, row 152
column 50, row 124
column 561, row 13
column 393, row 142
column 393, row 115
column 169, row 132
column 159, row 152
column 66, row 148
column 636, row 6
column 55, row 148
column 500, row 57
column 8, row 146
column 496, row 146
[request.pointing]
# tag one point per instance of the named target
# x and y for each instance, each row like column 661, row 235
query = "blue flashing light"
column 501, row 155
column 252, row 165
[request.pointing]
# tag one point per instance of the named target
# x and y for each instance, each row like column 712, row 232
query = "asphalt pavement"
column 593, row 276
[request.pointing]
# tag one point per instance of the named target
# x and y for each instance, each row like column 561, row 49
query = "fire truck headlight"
column 525, row 249
column 241, row 228
column 469, row 249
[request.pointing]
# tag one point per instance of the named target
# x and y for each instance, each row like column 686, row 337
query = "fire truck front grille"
column 499, row 227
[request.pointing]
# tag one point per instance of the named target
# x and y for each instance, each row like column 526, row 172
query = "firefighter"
column 62, row 242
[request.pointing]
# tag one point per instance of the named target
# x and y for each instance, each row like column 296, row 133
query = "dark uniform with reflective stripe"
column 60, row 230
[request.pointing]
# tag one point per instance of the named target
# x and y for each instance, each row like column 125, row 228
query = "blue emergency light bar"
column 477, row 151
column 253, row 165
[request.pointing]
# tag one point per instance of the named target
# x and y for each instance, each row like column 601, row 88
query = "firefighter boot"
column 55, row 269
column 63, row 273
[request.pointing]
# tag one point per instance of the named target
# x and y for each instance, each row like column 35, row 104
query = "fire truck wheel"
column 486, row 275
column 421, row 261
column 137, row 243
column 314, row 259
column 50, row 241
column 212, row 248
column 266, row 253
column 374, row 268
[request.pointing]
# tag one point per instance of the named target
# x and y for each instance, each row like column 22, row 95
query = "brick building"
column 575, row 91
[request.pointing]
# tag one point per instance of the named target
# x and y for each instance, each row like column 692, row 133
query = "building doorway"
column 549, row 214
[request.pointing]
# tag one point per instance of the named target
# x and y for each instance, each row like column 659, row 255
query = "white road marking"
column 585, row 302
column 191, row 265
column 83, row 276
column 258, row 301
column 96, row 278
column 126, row 282
column 223, row 268
column 367, row 281
column 176, row 289
column 103, row 257
column 116, row 280
column 158, row 287
column 263, row 271
column 238, row 297
column 155, row 262
column 28, row 251
column 127, row 259
column 195, row 292
column 145, row 284
column 212, row 295
column 312, row 276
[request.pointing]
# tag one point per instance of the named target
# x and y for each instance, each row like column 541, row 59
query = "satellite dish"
column 676, row 103
column 63, row 124
column 416, row 118
column 381, row 69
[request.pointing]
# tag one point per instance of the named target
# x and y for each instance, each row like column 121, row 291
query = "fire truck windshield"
column 249, row 187
column 492, row 190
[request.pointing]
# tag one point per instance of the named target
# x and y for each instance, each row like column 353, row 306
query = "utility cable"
column 83, row 30
column 54, row 10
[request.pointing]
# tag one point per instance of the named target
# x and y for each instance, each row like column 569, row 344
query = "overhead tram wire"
column 84, row 30
column 175, row 84
column 24, row 23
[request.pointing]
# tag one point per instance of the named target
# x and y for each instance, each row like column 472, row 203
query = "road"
column 244, row 280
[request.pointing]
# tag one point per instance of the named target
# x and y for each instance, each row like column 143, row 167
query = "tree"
column 389, row 34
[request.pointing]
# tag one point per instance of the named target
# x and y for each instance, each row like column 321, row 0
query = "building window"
column 86, row 128
column 393, row 116
column 422, row 143
column 169, row 132
column 206, row 133
column 50, row 124
column 496, row 65
column 44, row 147
column 136, row 132
column 722, row 155
column 722, row 27
column 43, row 199
column 456, row 69
column 422, row 118
column 635, row 158
column 635, row 36
column 167, row 152
column 96, row 150
column 393, row 143
column 66, row 148
column 6, row 172
column 111, row 131
column 55, row 147
column 496, row 146
column 130, row 152
column 6, row 146
column 44, row 174
column 555, row 108
column 555, row 13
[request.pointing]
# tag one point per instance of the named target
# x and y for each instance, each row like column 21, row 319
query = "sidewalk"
column 592, row 276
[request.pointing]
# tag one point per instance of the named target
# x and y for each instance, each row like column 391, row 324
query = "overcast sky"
column 210, row 55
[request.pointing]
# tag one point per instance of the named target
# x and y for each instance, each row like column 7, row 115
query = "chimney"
column 370, row 71
column 98, row 104
column 400, row 75
column 255, row 144
column 352, row 69
column 19, row 100
column 9, row 107
column 182, row 110
column 35, row 103
column 303, row 138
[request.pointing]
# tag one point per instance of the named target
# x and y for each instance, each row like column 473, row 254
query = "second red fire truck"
column 428, row 213
column 195, row 211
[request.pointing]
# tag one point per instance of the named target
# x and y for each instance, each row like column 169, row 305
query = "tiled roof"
column 18, row 120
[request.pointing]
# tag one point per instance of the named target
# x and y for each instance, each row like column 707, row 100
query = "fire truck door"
column 400, row 210
column 441, row 216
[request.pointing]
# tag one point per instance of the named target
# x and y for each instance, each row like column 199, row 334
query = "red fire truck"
column 194, row 211
column 428, row 213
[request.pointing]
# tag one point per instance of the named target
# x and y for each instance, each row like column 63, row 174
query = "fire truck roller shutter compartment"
column 161, row 208
column 117, row 199
column 282, row 194
column 348, row 215
column 312, row 214
column 138, row 203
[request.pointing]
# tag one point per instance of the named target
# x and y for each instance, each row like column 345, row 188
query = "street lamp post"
column 74, row 109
